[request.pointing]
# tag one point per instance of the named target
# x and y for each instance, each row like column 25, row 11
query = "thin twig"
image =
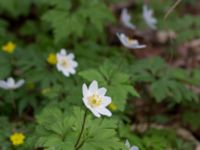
column 172, row 8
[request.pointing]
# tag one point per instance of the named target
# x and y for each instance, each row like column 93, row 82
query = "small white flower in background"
column 126, row 19
column 95, row 100
column 66, row 63
column 10, row 84
column 148, row 17
column 129, row 43
column 127, row 144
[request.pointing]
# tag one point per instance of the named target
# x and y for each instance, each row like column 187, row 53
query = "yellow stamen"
column 95, row 100
column 64, row 63
column 130, row 40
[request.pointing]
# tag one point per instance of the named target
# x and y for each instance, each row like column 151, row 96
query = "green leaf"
column 92, row 14
column 164, row 88
column 15, row 8
column 92, row 74
column 57, row 130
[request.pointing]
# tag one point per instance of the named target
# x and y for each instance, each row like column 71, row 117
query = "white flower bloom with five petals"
column 126, row 19
column 127, row 144
column 10, row 84
column 129, row 43
column 95, row 100
column 149, row 18
column 66, row 63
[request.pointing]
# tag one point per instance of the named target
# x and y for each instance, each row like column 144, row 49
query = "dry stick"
column 172, row 8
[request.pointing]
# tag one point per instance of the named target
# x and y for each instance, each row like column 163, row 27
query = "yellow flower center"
column 17, row 139
column 64, row 63
column 131, row 41
column 9, row 47
column 52, row 59
column 95, row 100
column 112, row 106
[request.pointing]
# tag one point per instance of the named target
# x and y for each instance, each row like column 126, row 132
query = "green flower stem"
column 12, row 100
column 80, row 145
column 77, row 146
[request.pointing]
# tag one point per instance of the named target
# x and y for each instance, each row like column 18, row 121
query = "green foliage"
column 58, row 129
column 80, row 26
column 191, row 2
column 160, row 139
column 86, row 18
column 155, row 139
column 4, row 60
column 5, row 129
column 190, row 118
column 15, row 8
column 165, row 82
column 188, row 24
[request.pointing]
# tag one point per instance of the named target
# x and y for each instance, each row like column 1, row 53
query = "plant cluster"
column 63, row 86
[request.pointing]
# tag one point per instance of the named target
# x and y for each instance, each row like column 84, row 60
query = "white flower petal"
column 107, row 101
column 73, row 71
column 59, row 67
column 85, row 101
column 93, row 86
column 20, row 83
column 66, row 73
column 136, row 46
column 10, row 82
column 3, row 84
column 74, row 64
column 127, row 144
column 125, row 15
column 70, row 56
column 85, row 90
column 97, row 114
column 129, row 43
column 134, row 148
column 101, row 91
column 126, row 19
column 63, row 52
column 149, row 18
column 104, row 111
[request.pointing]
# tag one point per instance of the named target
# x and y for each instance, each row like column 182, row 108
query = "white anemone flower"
column 129, row 43
column 10, row 84
column 127, row 144
column 126, row 19
column 66, row 63
column 149, row 18
column 95, row 100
